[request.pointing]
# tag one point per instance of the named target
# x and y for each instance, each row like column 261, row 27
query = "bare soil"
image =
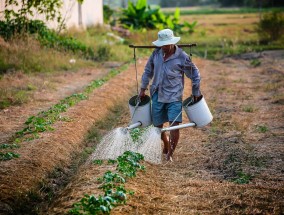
column 244, row 143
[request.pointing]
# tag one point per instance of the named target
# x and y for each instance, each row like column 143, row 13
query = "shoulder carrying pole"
column 150, row 47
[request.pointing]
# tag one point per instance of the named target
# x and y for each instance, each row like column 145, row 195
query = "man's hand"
column 197, row 98
column 142, row 93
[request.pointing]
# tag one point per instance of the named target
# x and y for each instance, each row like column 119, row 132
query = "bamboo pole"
column 149, row 47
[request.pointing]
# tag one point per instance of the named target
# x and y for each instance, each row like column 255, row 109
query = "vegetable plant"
column 112, row 183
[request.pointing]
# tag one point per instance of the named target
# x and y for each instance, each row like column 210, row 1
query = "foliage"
column 49, row 8
column 112, row 183
column 255, row 62
column 190, row 26
column 103, row 53
column 269, row 27
column 261, row 128
column 20, row 25
column 98, row 162
column 46, row 36
column 243, row 178
column 8, row 156
column 17, row 22
column 141, row 16
column 107, row 12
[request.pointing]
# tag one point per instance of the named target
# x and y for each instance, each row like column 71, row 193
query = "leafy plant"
column 142, row 16
column 9, row 146
column 49, row 8
column 262, row 128
column 93, row 205
column 98, row 162
column 103, row 53
column 190, row 26
column 112, row 185
column 243, row 178
column 255, row 62
column 108, row 12
column 8, row 156
column 135, row 134
column 249, row 108
column 128, row 163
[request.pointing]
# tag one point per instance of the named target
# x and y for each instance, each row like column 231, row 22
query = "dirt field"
column 232, row 166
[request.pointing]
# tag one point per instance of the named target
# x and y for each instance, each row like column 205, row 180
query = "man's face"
column 167, row 48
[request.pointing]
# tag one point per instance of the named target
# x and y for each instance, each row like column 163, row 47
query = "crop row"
column 43, row 121
column 112, row 183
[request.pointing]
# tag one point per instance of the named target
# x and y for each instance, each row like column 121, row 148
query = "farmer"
column 166, row 67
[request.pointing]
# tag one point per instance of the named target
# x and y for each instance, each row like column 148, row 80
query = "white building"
column 90, row 13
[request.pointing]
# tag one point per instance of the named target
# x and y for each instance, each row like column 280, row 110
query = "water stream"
column 119, row 140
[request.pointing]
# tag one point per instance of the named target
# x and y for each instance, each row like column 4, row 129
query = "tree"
column 49, row 8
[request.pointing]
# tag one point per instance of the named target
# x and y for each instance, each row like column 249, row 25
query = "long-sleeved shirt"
column 168, row 76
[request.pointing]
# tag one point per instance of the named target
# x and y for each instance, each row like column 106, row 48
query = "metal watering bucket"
column 198, row 112
column 140, row 112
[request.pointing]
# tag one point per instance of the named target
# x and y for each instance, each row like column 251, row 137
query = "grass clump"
column 242, row 178
column 249, row 108
column 262, row 128
column 269, row 26
column 255, row 62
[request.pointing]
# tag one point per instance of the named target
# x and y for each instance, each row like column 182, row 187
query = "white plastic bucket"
column 141, row 113
column 198, row 113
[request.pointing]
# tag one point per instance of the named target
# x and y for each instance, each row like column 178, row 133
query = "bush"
column 108, row 12
column 47, row 37
column 103, row 53
column 141, row 16
column 270, row 27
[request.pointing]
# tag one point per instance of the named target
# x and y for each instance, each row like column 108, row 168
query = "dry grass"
column 204, row 177
column 55, row 149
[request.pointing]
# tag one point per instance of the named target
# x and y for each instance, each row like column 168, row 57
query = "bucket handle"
column 138, row 100
column 189, row 102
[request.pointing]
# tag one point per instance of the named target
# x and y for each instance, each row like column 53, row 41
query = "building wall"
column 2, row 8
column 91, row 13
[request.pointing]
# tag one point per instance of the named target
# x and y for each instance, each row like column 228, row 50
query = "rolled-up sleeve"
column 192, row 72
column 148, row 73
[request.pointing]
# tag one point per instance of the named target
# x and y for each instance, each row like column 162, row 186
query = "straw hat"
column 166, row 37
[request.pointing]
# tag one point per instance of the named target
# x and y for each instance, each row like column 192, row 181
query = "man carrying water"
column 166, row 67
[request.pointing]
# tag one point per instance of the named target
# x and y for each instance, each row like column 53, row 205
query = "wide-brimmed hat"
column 166, row 37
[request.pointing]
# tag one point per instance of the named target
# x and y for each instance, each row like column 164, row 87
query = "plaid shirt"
column 168, row 75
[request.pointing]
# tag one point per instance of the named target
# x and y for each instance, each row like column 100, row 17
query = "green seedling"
column 243, row 178
column 255, row 62
column 110, row 161
column 262, row 128
column 113, row 186
column 98, row 162
column 8, row 156
column 249, row 109
column 9, row 146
